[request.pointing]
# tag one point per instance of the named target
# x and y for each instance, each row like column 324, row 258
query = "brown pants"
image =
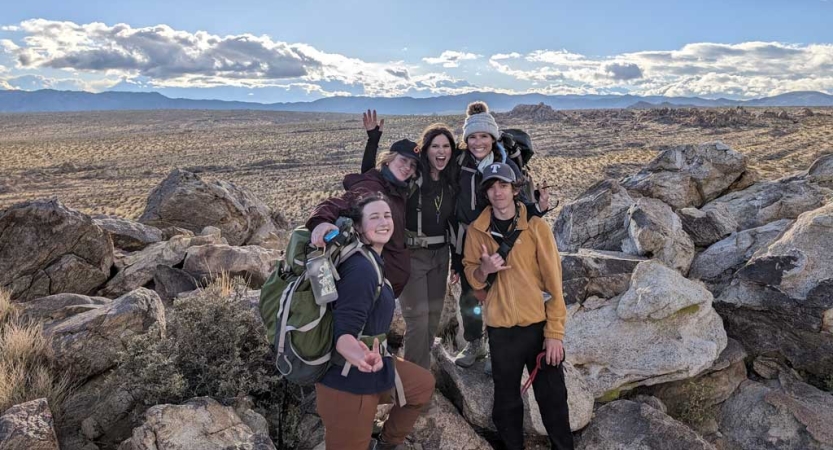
column 422, row 302
column 348, row 418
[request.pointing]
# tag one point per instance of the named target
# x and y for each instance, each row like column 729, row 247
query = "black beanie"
column 407, row 148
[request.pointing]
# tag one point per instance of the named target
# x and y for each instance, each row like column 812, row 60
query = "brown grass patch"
column 27, row 364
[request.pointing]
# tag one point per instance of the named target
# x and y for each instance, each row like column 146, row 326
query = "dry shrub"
column 215, row 346
column 27, row 365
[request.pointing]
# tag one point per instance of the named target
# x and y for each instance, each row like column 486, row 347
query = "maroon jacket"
column 396, row 255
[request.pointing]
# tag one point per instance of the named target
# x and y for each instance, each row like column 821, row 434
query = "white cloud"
column 451, row 58
column 173, row 58
column 499, row 56
column 744, row 70
column 97, row 56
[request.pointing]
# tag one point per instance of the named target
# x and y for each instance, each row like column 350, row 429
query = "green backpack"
column 299, row 327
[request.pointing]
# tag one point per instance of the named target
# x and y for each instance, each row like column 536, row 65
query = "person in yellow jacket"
column 514, row 259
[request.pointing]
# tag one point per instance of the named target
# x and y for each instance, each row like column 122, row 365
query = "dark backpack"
column 518, row 146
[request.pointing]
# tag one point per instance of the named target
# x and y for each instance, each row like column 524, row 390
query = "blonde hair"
column 385, row 159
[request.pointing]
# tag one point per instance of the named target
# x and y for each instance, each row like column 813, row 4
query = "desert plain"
column 108, row 162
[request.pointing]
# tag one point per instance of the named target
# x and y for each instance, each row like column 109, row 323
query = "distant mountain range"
column 50, row 100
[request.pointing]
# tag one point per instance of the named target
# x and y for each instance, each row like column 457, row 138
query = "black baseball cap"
column 406, row 148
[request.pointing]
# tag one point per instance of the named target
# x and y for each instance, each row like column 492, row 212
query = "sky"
column 304, row 50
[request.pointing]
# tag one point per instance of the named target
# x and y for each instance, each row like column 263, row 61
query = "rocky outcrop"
column 821, row 171
column 624, row 424
column 140, row 267
column 706, row 228
column 655, row 231
column 786, row 414
column 88, row 343
column 769, row 201
column 472, row 392
column 688, row 175
column 127, row 234
column 717, row 264
column 663, row 328
column 59, row 306
column 169, row 282
column 694, row 401
column 184, row 200
column 596, row 273
column 47, row 248
column 199, row 423
column 780, row 301
column 28, row 426
column 252, row 263
column 443, row 427
column 595, row 219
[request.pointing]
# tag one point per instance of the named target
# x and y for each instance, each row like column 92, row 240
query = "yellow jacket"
column 516, row 298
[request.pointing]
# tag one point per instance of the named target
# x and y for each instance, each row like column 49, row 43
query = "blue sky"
column 308, row 49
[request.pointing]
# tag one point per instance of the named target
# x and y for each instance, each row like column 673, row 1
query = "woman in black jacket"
column 430, row 221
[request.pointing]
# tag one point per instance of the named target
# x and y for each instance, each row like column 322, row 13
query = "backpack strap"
column 505, row 245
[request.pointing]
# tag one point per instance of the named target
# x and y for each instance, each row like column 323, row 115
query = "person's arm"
column 374, row 135
column 356, row 293
column 549, row 262
column 456, row 253
column 326, row 213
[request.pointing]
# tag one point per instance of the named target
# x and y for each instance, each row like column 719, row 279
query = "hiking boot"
column 473, row 351
column 379, row 444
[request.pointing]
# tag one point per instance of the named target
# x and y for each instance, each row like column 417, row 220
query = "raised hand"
column 370, row 122
column 544, row 196
column 491, row 263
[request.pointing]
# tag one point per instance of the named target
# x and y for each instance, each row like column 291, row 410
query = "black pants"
column 512, row 349
column 472, row 318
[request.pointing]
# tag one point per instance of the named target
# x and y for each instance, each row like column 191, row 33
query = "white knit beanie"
column 479, row 120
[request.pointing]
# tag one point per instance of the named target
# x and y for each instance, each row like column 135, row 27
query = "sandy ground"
column 108, row 162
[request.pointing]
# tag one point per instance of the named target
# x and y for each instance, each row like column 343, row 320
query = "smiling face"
column 439, row 153
column 377, row 224
column 501, row 196
column 402, row 167
column 480, row 144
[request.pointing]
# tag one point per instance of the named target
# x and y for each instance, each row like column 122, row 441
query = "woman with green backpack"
column 366, row 375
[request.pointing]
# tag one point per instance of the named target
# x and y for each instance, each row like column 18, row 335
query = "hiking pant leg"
column 415, row 310
column 551, row 396
column 472, row 321
column 419, row 387
column 437, row 290
column 511, row 349
column 348, row 418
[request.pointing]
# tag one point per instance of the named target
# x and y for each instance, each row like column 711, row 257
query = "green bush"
column 215, row 346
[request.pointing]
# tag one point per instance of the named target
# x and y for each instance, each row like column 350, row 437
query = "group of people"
column 433, row 211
